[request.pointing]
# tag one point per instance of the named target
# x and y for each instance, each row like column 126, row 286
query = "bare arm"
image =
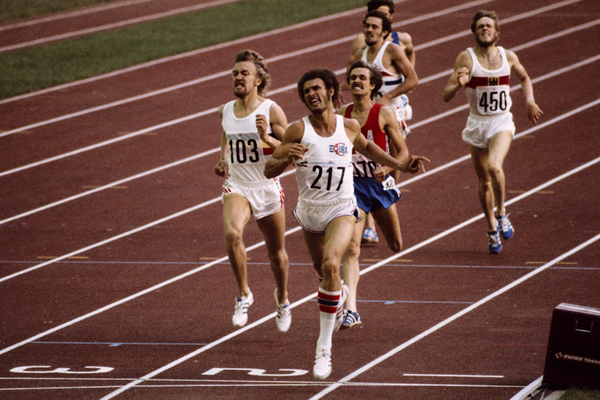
column 402, row 64
column 389, row 124
column 221, row 167
column 278, row 126
column 278, row 121
column 373, row 152
column 409, row 48
column 287, row 152
column 459, row 77
column 533, row 111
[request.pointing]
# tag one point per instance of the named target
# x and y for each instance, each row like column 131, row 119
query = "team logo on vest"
column 339, row 148
column 493, row 81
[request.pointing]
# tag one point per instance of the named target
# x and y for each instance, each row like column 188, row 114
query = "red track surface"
column 85, row 284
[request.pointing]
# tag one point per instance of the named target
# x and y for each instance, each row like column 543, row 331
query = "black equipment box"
column 573, row 356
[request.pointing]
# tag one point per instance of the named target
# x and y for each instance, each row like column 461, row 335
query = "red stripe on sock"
column 327, row 309
column 329, row 297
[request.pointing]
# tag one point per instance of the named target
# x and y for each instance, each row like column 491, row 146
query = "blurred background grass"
column 15, row 9
column 53, row 64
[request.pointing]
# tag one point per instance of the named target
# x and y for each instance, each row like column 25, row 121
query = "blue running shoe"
column 369, row 236
column 505, row 227
column 351, row 318
column 494, row 242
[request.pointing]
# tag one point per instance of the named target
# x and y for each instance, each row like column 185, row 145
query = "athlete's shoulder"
column 351, row 123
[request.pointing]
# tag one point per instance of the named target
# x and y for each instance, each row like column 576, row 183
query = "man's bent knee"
column 353, row 250
column 233, row 238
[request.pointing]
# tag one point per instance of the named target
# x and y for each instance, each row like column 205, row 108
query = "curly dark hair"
column 375, row 4
column 386, row 23
column 327, row 76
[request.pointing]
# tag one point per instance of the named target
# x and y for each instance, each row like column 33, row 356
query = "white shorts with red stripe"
column 265, row 198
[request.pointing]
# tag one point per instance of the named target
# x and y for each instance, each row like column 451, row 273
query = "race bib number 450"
column 493, row 99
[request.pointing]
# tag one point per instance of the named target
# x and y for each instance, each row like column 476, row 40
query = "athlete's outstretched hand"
column 415, row 164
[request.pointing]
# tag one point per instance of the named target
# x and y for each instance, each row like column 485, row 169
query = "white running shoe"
column 407, row 109
column 240, row 314
column 339, row 317
column 284, row 315
column 322, row 367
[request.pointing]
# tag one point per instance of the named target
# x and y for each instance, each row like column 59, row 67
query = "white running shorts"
column 265, row 198
column 480, row 130
column 314, row 216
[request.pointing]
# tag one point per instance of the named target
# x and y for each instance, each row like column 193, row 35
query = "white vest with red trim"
column 325, row 171
column 488, row 91
column 390, row 81
column 247, row 154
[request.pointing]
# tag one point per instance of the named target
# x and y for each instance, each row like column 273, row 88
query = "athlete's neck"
column 246, row 105
column 374, row 49
column 487, row 52
column 362, row 104
column 324, row 123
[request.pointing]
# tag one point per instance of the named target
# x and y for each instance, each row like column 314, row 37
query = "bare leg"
column 330, row 296
column 484, row 186
column 351, row 266
column 236, row 213
column 498, row 149
column 315, row 244
column 273, row 231
column 389, row 223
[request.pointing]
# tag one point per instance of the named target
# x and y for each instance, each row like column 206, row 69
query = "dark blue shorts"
column 372, row 195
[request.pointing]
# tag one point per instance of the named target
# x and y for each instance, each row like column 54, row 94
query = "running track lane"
column 311, row 310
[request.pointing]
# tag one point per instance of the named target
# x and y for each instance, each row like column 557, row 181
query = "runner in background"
column 484, row 72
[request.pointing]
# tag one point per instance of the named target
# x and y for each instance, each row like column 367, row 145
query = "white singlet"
column 488, row 91
column 390, row 81
column 246, row 152
column 325, row 172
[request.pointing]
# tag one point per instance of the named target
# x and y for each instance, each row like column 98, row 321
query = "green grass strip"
column 16, row 9
column 36, row 68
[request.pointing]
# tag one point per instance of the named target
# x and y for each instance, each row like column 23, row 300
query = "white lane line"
column 108, row 186
column 285, row 384
column 454, row 376
column 71, row 14
column 129, row 233
column 215, row 200
column 136, row 295
column 276, row 32
column 384, row 262
column 115, row 25
column 170, row 89
column 111, row 141
column 481, row 302
column 277, row 91
column 185, row 55
column 416, row 125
